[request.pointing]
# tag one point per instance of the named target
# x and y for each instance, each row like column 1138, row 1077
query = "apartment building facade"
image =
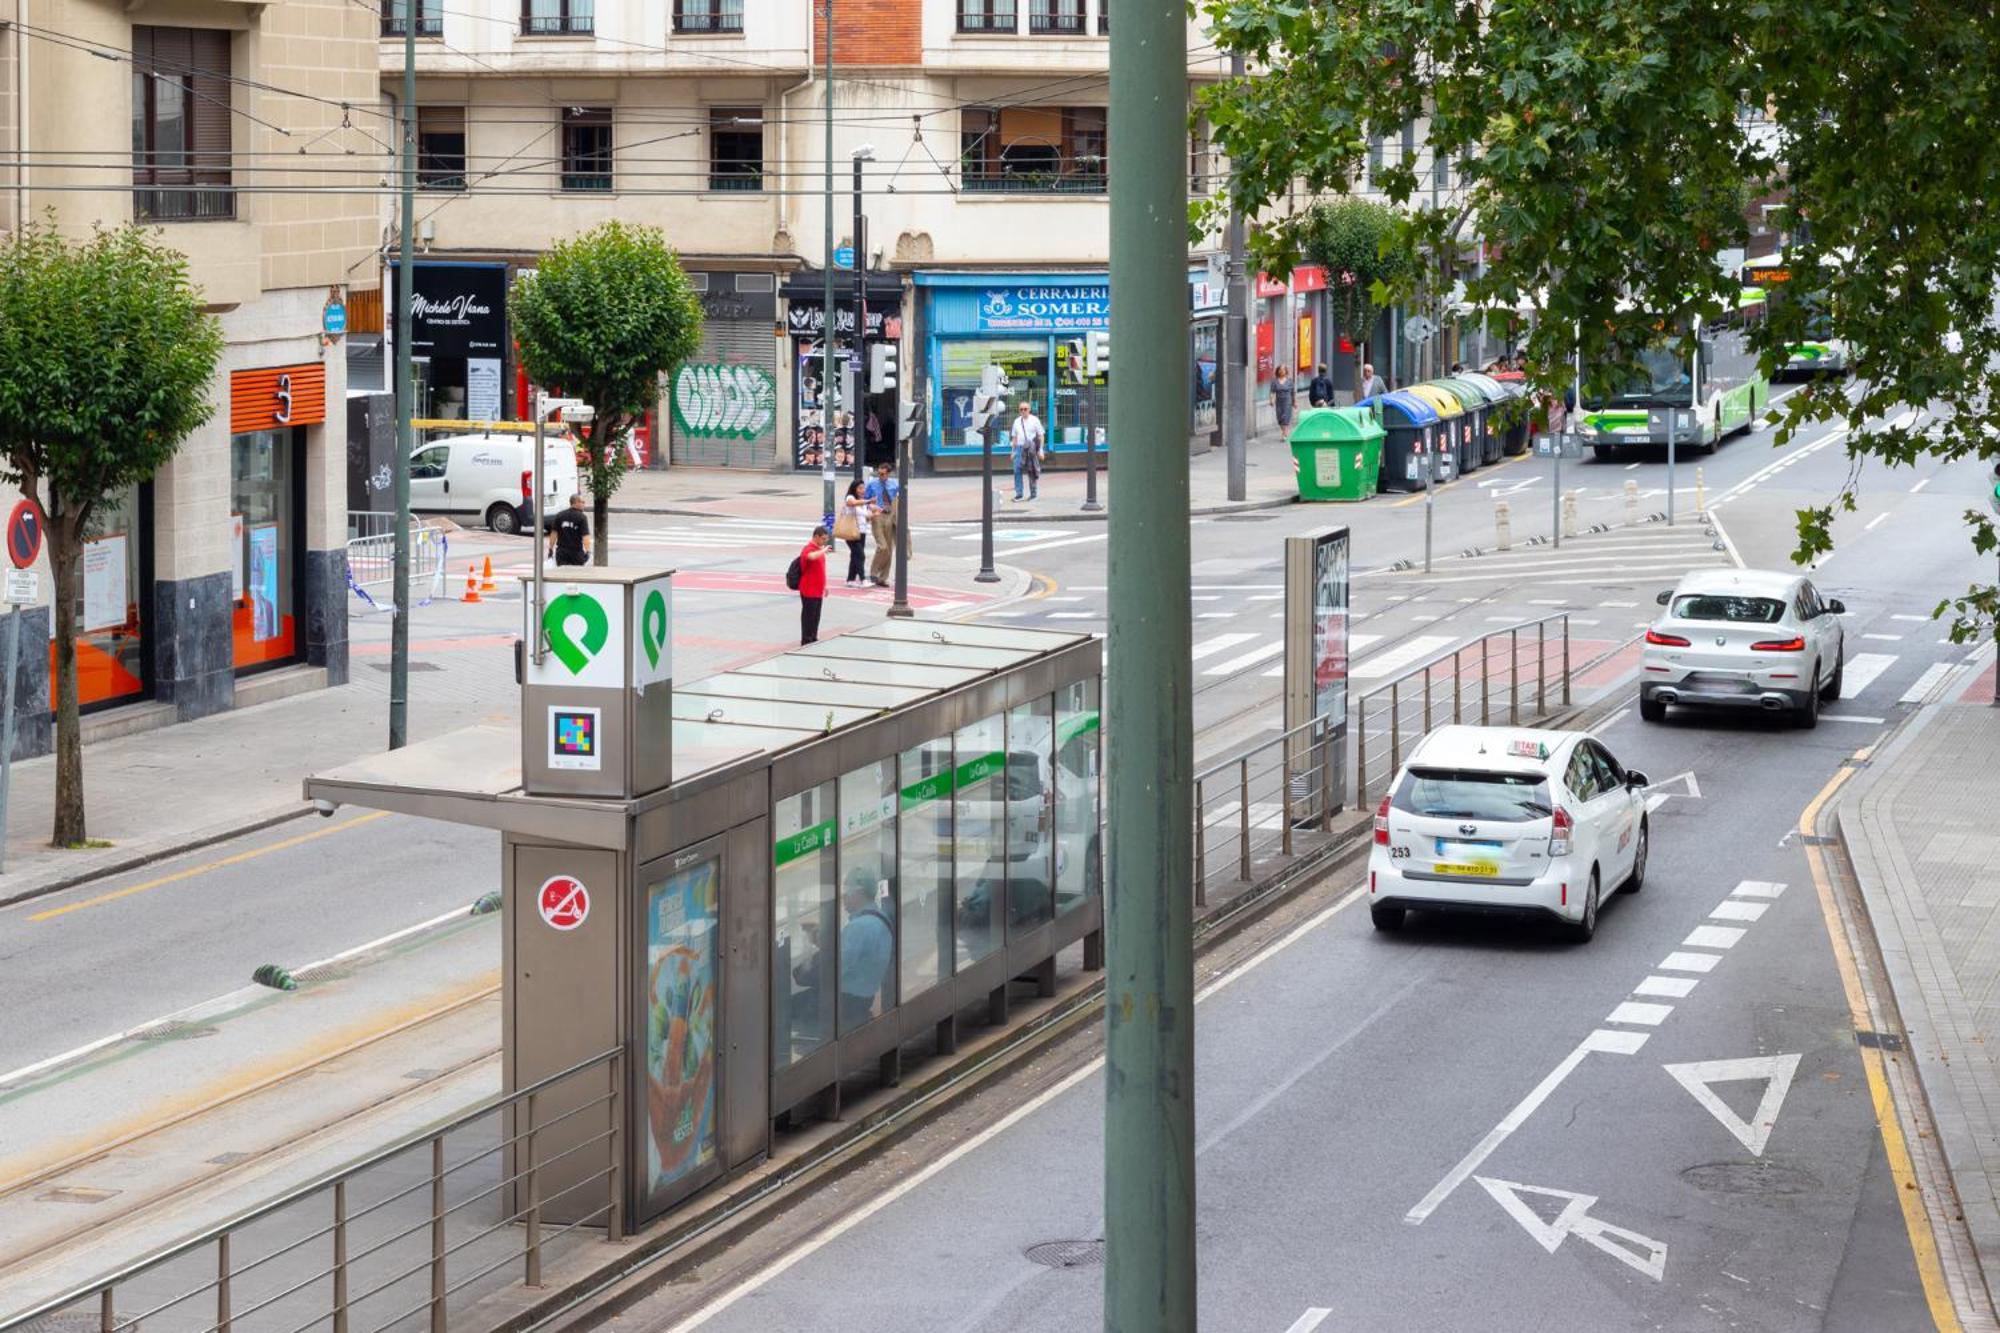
column 980, row 131
column 248, row 136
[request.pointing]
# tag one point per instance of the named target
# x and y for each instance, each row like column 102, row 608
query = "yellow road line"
column 1895, row 1150
column 192, row 871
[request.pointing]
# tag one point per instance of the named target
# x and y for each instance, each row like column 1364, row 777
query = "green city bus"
column 1819, row 352
column 1697, row 402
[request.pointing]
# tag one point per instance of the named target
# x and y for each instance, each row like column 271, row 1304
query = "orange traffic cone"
column 486, row 583
column 471, row 584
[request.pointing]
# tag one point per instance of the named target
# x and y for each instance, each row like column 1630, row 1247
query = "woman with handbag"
column 847, row 528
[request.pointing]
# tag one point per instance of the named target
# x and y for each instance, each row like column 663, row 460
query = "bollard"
column 1569, row 513
column 1631, row 504
column 1503, row 527
column 1700, row 495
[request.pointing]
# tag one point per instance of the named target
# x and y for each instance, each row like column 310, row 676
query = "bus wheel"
column 1602, row 451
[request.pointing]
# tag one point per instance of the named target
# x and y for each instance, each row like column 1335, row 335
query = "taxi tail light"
column 1779, row 646
column 1559, row 834
column 1658, row 639
column 1382, row 823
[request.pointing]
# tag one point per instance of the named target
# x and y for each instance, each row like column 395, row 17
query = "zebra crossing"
column 1652, row 555
column 728, row 534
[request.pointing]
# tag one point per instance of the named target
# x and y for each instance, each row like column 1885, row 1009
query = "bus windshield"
column 1662, row 377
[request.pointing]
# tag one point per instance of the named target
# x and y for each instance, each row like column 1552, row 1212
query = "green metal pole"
column 1149, row 1280
column 826, row 472
column 399, row 628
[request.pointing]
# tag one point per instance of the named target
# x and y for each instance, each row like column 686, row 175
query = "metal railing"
column 1483, row 681
column 1273, row 800
column 355, row 1285
column 371, row 556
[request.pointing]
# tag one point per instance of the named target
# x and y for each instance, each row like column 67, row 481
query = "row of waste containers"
column 1402, row 441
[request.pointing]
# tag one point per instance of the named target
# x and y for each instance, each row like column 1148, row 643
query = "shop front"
column 458, row 339
column 114, row 624
column 1208, row 303
column 805, row 321
column 269, row 411
column 1017, row 322
column 724, row 400
column 1310, row 324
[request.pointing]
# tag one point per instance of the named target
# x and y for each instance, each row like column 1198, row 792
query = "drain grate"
column 1067, row 1253
column 784, row 493
column 718, row 499
column 1245, row 518
column 76, row 1194
column 414, row 666
column 173, row 1030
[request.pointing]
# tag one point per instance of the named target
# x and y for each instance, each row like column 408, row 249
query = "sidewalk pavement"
column 1920, row 832
column 158, row 793
column 954, row 497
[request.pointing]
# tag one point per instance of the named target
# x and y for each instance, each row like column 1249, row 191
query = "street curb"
column 1203, row 511
column 1857, row 827
column 144, row 854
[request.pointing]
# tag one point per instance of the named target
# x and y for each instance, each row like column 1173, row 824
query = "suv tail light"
column 1779, row 646
column 1382, row 823
column 1653, row 636
column 1559, row 835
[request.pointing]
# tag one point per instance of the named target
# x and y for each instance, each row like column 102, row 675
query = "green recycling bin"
column 1337, row 452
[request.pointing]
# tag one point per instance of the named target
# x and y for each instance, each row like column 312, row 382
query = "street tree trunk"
column 64, row 564
column 600, row 522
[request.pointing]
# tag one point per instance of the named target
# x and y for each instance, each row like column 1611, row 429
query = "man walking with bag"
column 884, row 498
column 1026, row 437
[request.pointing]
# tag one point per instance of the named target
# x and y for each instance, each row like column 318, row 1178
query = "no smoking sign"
column 564, row 902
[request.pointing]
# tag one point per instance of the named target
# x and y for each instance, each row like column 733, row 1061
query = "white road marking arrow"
column 1657, row 794
column 1775, row 1070
column 1628, row 1247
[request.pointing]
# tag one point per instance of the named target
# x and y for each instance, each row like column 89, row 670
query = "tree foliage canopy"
column 1350, row 239
column 602, row 317
column 105, row 362
column 1604, row 152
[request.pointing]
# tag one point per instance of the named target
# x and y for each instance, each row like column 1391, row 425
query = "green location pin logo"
column 596, row 629
column 653, row 625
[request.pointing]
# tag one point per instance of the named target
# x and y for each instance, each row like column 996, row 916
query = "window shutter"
column 208, row 57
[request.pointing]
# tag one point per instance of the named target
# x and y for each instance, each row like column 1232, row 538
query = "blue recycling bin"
column 1409, row 432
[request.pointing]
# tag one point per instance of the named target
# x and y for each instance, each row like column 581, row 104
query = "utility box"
column 597, row 708
column 1337, row 452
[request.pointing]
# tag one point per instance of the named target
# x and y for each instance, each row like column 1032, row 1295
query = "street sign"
column 24, row 534
column 1417, row 329
column 24, row 588
column 564, row 902
column 843, row 257
column 1564, row 445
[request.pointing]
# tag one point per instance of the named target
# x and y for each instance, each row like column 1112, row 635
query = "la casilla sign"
column 1069, row 306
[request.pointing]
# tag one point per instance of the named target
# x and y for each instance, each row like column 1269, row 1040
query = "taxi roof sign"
column 1527, row 749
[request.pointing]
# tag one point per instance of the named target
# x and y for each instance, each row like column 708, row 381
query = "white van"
column 490, row 476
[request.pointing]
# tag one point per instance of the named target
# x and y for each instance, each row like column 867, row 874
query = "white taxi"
column 1508, row 821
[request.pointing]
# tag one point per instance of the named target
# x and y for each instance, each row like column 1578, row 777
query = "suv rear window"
column 1740, row 610
column 1459, row 793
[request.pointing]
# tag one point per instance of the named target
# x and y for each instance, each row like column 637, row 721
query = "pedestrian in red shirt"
column 812, row 584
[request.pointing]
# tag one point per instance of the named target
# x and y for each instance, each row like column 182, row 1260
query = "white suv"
column 1743, row 638
column 1508, row 821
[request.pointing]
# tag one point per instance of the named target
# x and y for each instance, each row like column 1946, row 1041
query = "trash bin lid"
column 1495, row 391
column 1445, row 403
column 1409, row 409
column 1468, row 393
column 1336, row 425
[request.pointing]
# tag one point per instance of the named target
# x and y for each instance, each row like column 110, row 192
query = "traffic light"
column 1071, row 352
column 987, row 401
column 883, row 365
column 1097, row 361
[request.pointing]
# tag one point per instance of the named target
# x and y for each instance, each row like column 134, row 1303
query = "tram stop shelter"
column 797, row 866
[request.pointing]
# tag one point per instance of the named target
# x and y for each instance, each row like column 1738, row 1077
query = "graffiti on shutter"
column 724, row 401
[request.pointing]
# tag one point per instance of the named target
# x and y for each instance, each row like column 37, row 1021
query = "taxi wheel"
column 1386, row 918
column 1582, row 931
column 1637, row 880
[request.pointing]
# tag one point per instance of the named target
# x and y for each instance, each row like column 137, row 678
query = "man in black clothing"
column 569, row 534
column 1320, row 392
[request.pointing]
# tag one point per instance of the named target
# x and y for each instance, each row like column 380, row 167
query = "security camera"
column 326, row 807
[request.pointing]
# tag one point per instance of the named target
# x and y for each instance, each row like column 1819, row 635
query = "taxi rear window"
column 1463, row 793
column 1738, row 610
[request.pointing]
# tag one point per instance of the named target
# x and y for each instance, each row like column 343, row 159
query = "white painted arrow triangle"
column 1548, row 1235
column 1657, row 794
column 1776, row 1071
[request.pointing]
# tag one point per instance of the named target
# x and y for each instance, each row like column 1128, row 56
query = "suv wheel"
column 1651, row 709
column 1807, row 716
column 1832, row 690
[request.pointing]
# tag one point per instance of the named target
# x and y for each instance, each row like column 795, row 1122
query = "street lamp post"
column 829, row 323
column 865, row 153
column 399, row 626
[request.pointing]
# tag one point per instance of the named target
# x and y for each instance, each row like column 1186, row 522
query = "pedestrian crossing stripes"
column 1861, row 671
column 1394, row 660
column 728, row 534
column 1933, row 676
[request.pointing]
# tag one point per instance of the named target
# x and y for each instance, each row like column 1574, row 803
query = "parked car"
column 491, row 477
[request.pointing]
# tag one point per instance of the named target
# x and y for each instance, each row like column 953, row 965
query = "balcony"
column 430, row 18
column 1082, row 178
column 703, row 17
column 1050, row 18
column 557, row 18
column 987, row 16
column 184, row 203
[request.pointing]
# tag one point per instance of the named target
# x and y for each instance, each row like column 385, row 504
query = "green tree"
column 106, row 360
column 602, row 317
column 1350, row 238
column 1605, row 148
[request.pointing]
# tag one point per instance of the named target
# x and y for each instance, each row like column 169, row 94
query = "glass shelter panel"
column 924, row 886
column 802, row 924
column 867, row 893
column 681, row 991
column 977, row 845
column 1031, row 803
column 1077, row 766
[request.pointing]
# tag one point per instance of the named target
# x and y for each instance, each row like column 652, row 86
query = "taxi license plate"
column 1465, row 868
